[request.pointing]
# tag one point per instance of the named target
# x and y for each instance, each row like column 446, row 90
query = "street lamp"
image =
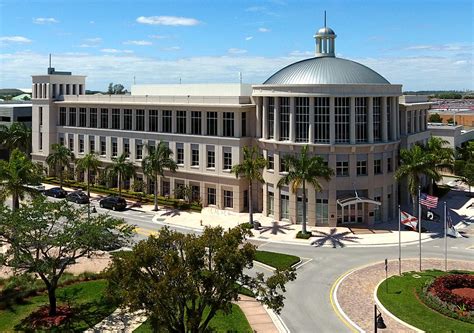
column 378, row 320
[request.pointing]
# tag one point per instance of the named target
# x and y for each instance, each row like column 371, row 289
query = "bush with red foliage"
column 442, row 288
column 40, row 319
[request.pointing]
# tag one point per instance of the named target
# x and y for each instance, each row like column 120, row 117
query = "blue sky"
column 420, row 44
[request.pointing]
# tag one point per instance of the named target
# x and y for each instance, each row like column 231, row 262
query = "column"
column 311, row 120
column 109, row 113
column 173, row 121
column 258, row 117
column 384, row 119
column 56, row 91
column 147, row 118
column 393, row 120
column 160, row 121
column 188, row 122
column 332, row 120
column 204, row 124
column 220, row 127
column 397, row 115
column 417, row 121
column 352, row 121
column 134, row 122
column 237, row 124
column 292, row 119
column 370, row 121
column 48, row 90
column 276, row 118
column 88, row 119
column 265, row 117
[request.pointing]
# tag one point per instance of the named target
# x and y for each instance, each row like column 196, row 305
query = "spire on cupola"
column 325, row 41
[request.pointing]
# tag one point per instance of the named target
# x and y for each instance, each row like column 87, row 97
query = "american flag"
column 428, row 200
column 408, row 220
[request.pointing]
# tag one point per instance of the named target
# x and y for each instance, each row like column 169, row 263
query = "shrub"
column 442, row 288
column 246, row 225
column 302, row 235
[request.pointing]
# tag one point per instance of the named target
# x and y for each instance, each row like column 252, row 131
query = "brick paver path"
column 356, row 292
column 256, row 315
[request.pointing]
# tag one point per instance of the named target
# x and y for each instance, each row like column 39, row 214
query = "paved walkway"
column 355, row 293
column 257, row 316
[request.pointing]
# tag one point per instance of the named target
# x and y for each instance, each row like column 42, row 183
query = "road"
column 307, row 305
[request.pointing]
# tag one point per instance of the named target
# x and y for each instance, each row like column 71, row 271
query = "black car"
column 55, row 192
column 114, row 203
column 78, row 197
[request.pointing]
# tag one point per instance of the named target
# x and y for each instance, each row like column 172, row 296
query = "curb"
column 391, row 315
column 277, row 321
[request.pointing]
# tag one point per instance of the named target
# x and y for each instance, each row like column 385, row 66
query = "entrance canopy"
column 355, row 200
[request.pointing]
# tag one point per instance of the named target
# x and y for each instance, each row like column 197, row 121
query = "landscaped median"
column 277, row 260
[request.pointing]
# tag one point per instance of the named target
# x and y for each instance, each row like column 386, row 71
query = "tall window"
column 82, row 117
column 62, row 116
column 138, row 151
column 212, row 123
column 153, row 121
column 91, row 144
column 227, row 165
column 321, row 119
column 361, row 119
column 342, row 168
column 211, row 196
column 322, row 208
column 194, row 155
column 244, row 124
column 302, row 119
column 196, row 122
column 389, row 120
column 127, row 119
column 377, row 166
column 93, row 118
column 71, row 143
column 140, row 120
column 167, row 121
column 228, row 119
column 377, row 119
column 181, row 122
column 116, row 118
column 81, row 144
column 271, row 117
column 228, row 199
column 285, row 206
column 211, row 157
column 270, row 202
column 284, row 118
column 271, row 161
column 389, row 164
column 72, row 117
column 104, row 118
column 103, row 146
column 180, row 153
column 342, row 111
column 361, row 165
column 126, row 147
column 114, row 148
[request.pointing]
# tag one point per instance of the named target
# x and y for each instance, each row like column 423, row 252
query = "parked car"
column 38, row 187
column 78, row 197
column 113, row 202
column 55, row 192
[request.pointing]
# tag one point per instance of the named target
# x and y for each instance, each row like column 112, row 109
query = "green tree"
column 17, row 135
column 90, row 163
column 415, row 163
column 15, row 173
column 155, row 163
column 46, row 237
column 116, row 89
column 122, row 169
column 442, row 156
column 435, row 118
column 184, row 192
column 182, row 280
column 58, row 159
column 302, row 170
column 251, row 170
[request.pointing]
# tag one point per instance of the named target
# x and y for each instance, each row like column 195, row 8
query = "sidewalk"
column 355, row 290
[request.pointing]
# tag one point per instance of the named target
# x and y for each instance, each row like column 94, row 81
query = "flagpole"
column 445, row 239
column 399, row 241
column 419, row 222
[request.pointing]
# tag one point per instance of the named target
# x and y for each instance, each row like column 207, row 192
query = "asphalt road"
column 307, row 305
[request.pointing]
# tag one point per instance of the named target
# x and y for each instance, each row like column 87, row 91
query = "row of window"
column 134, row 120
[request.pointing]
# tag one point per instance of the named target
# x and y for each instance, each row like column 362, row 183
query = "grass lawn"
column 277, row 260
column 234, row 322
column 86, row 295
column 402, row 300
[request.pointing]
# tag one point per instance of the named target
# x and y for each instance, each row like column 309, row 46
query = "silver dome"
column 326, row 70
column 325, row 31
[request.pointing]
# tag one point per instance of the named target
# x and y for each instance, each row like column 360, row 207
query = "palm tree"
column 415, row 162
column 17, row 135
column 60, row 157
column 302, row 170
column 442, row 156
column 154, row 165
column 122, row 169
column 15, row 174
column 250, row 169
column 89, row 163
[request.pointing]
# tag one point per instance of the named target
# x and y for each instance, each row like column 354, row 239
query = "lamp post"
column 378, row 320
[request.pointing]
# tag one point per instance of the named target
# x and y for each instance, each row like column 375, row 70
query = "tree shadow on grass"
column 333, row 238
column 276, row 228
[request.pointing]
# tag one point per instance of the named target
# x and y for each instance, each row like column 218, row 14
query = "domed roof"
column 325, row 31
column 326, row 70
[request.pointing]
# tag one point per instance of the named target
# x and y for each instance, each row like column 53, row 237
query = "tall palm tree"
column 58, row 159
column 415, row 162
column 17, row 135
column 442, row 155
column 154, row 165
column 90, row 164
column 15, row 174
column 302, row 170
column 250, row 169
column 122, row 169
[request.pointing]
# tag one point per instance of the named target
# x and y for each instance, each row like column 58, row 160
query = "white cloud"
column 115, row 51
column 14, row 39
column 263, row 30
column 158, row 36
column 234, row 50
column 137, row 42
column 167, row 20
column 249, row 38
column 45, row 20
column 440, row 47
column 94, row 40
column 298, row 53
column 171, row 48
